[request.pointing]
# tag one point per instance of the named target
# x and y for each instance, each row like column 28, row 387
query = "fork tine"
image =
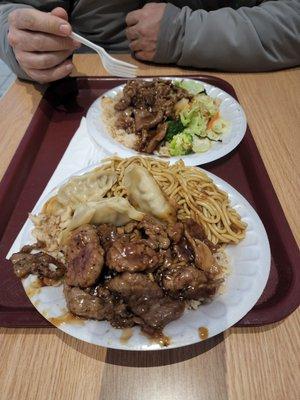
column 117, row 71
column 122, row 74
column 119, row 62
column 113, row 63
column 111, row 67
column 125, row 69
column 125, row 64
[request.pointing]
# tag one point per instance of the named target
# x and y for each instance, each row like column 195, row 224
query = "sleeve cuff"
column 13, row 64
column 170, row 37
column 6, row 52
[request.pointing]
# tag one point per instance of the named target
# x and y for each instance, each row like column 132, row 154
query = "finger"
column 60, row 13
column 39, row 21
column 42, row 60
column 52, row 74
column 132, row 18
column 132, row 33
column 29, row 41
column 136, row 45
column 144, row 55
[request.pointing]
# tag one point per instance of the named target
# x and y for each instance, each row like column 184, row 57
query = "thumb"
column 60, row 12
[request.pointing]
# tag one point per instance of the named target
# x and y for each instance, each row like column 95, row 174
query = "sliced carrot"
column 212, row 120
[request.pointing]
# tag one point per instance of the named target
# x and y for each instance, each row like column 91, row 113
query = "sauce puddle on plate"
column 159, row 338
column 203, row 333
column 67, row 318
column 126, row 335
column 34, row 288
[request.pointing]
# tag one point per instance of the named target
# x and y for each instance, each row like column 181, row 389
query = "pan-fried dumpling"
column 145, row 194
column 54, row 208
column 114, row 210
column 88, row 187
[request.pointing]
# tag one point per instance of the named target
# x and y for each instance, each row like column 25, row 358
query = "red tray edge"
column 255, row 317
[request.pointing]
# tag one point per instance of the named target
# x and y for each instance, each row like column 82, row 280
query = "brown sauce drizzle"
column 67, row 318
column 34, row 288
column 126, row 335
column 162, row 339
column 158, row 337
column 203, row 333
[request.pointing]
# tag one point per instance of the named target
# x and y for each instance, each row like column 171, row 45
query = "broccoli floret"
column 174, row 127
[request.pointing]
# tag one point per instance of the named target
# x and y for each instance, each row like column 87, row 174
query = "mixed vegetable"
column 197, row 124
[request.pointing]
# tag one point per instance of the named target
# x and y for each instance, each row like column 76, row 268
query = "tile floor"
column 6, row 78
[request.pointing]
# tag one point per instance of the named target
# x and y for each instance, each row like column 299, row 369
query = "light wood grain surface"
column 252, row 363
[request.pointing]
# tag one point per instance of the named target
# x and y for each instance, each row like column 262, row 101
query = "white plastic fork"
column 112, row 65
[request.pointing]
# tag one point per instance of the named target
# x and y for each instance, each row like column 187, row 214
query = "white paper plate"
column 250, row 266
column 230, row 109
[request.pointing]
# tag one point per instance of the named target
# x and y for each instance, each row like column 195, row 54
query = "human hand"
column 143, row 28
column 41, row 44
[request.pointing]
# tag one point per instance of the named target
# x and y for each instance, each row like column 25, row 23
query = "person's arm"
column 262, row 38
column 6, row 51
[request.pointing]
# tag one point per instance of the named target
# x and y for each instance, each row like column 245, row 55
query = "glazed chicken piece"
column 146, row 120
column 107, row 234
column 146, row 300
column 154, row 316
column 23, row 264
column 134, row 286
column 196, row 231
column 132, row 256
column 186, row 282
column 190, row 271
column 100, row 304
column 48, row 267
column 129, row 91
column 85, row 257
column 130, row 231
column 126, row 120
column 156, row 232
column 121, row 317
column 175, row 232
column 86, row 305
column 183, row 251
column 41, row 264
column 156, row 137
column 201, row 248
column 203, row 257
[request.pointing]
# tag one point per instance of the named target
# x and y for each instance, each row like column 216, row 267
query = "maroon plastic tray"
column 53, row 125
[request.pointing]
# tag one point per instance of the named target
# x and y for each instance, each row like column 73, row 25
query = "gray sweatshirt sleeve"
column 6, row 52
column 262, row 38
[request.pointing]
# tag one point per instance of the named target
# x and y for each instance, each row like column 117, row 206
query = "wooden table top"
column 253, row 363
